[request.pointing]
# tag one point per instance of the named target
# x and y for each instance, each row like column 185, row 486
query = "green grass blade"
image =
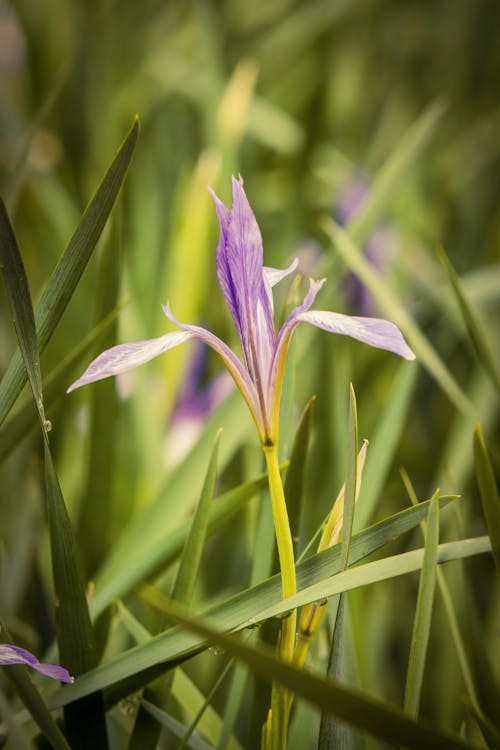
column 95, row 519
column 380, row 570
column 19, row 297
column 68, row 271
column 395, row 311
column 145, row 545
column 488, row 491
column 332, row 732
column 206, row 704
column 239, row 609
column 383, row 444
column 191, row 554
column 451, row 614
column 295, row 476
column 182, row 591
column 475, row 329
column 423, row 613
column 25, row 418
column 394, row 171
column 381, row 720
column 74, row 630
column 351, row 479
column 185, row 692
column 175, row 727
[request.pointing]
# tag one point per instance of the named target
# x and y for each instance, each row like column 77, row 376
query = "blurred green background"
column 315, row 104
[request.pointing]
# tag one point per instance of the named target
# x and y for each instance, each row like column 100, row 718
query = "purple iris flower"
column 246, row 285
column 16, row 655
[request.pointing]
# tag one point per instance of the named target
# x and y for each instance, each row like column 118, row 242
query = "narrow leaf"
column 394, row 171
column 191, row 555
column 240, row 608
column 475, row 329
column 74, row 629
column 488, row 491
column 68, row 271
column 294, row 482
column 23, row 419
column 159, row 548
column 385, row 722
column 423, row 613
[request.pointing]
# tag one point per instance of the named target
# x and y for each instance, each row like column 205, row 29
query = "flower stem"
column 280, row 699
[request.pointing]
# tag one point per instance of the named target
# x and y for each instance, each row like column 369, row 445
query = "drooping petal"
column 16, row 655
column 126, row 357
column 382, row 334
column 231, row 362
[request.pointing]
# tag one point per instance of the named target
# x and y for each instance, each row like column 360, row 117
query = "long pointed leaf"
column 488, row 490
column 475, row 329
column 312, row 578
column 74, row 629
column 68, row 271
column 423, row 613
column 383, row 721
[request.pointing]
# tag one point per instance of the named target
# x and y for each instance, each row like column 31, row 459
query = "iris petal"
column 382, row 334
column 125, row 357
column 17, row 655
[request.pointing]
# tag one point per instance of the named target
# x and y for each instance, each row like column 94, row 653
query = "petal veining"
column 126, row 357
column 377, row 332
column 16, row 655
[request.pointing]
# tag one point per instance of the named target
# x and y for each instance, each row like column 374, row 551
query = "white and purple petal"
column 17, row 655
column 126, row 357
column 377, row 332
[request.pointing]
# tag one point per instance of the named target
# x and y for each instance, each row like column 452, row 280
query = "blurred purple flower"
column 16, row 655
column 247, row 288
column 379, row 249
column 194, row 404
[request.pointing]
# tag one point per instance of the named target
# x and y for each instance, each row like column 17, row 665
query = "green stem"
column 280, row 702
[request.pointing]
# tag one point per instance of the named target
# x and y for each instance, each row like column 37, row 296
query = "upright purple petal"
column 241, row 278
column 126, row 357
column 17, row 655
column 382, row 334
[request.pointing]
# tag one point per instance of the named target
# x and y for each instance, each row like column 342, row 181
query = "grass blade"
column 23, row 419
column 475, row 329
column 154, row 547
column 314, row 576
column 488, row 491
column 394, row 171
column 68, row 271
column 74, row 630
column 295, row 476
column 191, row 555
column 381, row 720
column 384, row 443
column 332, row 732
column 423, row 613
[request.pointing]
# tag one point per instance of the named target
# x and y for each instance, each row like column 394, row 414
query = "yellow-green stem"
column 280, row 701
